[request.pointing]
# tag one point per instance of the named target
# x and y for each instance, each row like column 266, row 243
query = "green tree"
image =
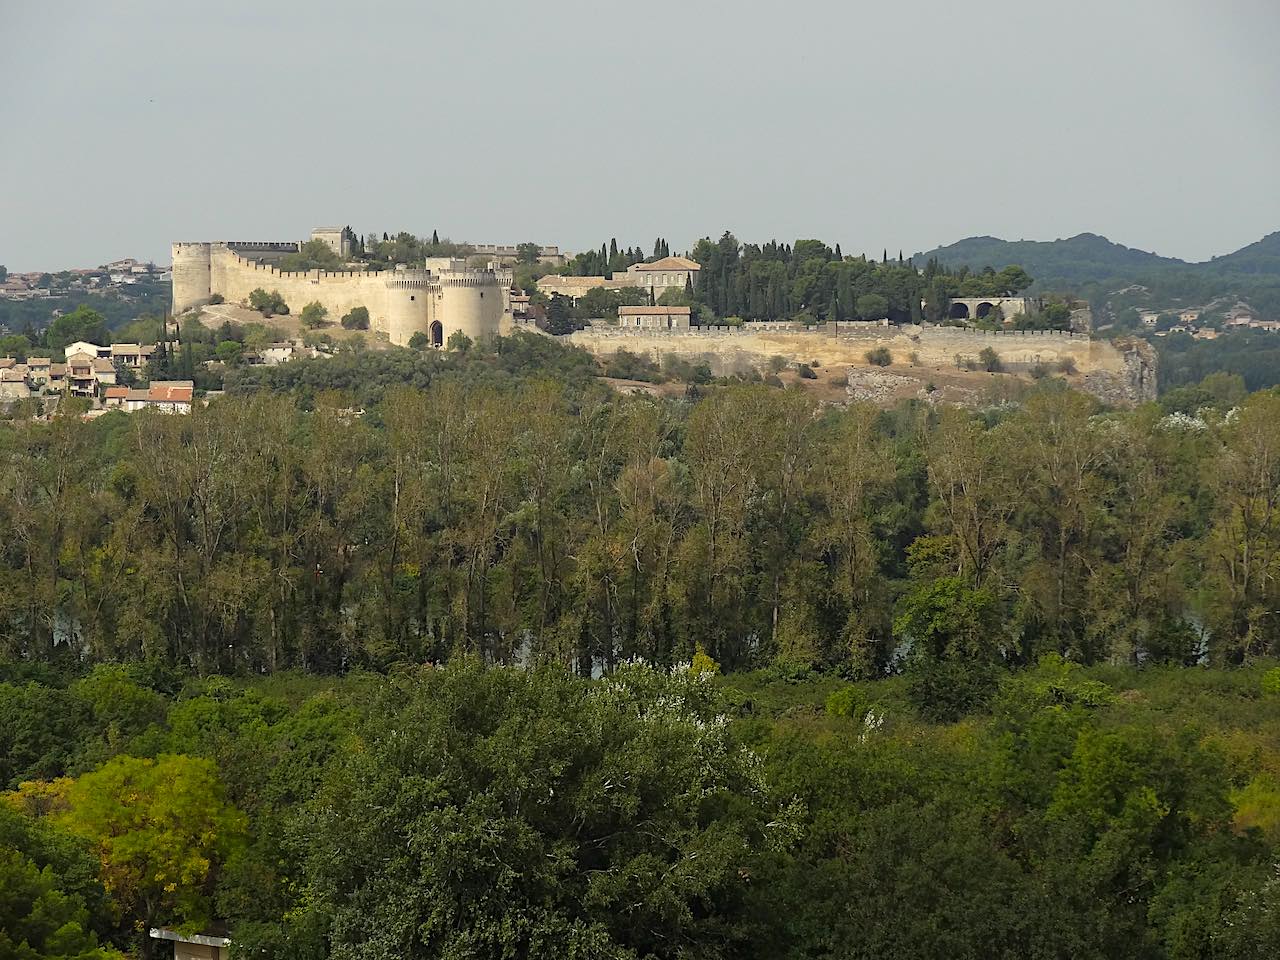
column 160, row 829
column 82, row 323
column 313, row 315
column 357, row 318
column 872, row 306
column 39, row 920
column 268, row 304
column 458, row 342
column 419, row 341
column 529, row 814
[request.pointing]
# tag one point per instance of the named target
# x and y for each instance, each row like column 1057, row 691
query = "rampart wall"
column 235, row 277
column 734, row 349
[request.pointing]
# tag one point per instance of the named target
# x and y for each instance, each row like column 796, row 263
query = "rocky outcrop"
column 1135, row 384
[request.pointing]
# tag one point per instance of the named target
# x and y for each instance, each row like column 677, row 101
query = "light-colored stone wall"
column 735, row 349
column 191, row 280
column 400, row 303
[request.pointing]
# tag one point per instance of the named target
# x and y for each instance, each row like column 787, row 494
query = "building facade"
column 669, row 273
column 654, row 318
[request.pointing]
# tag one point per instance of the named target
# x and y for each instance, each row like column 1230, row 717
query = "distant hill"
column 1084, row 258
column 1095, row 267
column 1260, row 257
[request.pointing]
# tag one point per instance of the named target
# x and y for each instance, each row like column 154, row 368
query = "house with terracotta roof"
column 166, row 396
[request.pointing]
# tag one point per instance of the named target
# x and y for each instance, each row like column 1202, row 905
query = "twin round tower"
column 445, row 297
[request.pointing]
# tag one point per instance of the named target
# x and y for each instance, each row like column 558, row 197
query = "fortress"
column 444, row 297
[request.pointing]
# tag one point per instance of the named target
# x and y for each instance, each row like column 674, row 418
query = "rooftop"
column 669, row 263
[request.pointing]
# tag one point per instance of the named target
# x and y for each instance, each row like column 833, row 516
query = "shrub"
column 914, row 358
column 356, row 319
column 844, row 703
column 989, row 360
column 458, row 342
column 418, row 341
column 1067, row 365
column 1039, row 371
column 879, row 357
column 217, row 298
column 806, row 372
column 1271, row 682
column 313, row 315
column 944, row 690
column 268, row 304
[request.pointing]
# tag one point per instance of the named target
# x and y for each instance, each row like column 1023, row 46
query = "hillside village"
column 637, row 314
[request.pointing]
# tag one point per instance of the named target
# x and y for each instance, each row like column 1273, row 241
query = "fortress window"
column 481, row 294
column 412, row 297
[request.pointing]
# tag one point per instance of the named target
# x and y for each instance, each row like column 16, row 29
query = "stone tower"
column 192, row 285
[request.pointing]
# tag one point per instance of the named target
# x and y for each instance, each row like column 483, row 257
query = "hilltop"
column 1099, row 267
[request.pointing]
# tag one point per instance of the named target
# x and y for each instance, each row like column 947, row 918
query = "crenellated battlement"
column 477, row 278
column 401, row 303
column 273, row 246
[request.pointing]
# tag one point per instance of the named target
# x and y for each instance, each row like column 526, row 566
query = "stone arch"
column 437, row 334
column 959, row 311
column 984, row 310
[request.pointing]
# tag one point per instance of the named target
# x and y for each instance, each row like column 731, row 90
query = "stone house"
column 654, row 318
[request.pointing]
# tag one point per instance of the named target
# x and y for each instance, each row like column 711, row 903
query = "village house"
column 165, row 396
column 85, row 373
column 654, row 318
column 13, row 383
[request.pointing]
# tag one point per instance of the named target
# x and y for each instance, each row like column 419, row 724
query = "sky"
column 135, row 123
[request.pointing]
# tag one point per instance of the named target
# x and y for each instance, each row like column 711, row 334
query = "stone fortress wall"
column 436, row 302
column 1120, row 373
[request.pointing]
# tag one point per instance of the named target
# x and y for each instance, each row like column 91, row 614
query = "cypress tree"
column 839, row 255
column 435, row 239
column 885, row 255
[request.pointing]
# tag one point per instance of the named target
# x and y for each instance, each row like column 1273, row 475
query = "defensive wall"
column 1117, row 373
column 400, row 303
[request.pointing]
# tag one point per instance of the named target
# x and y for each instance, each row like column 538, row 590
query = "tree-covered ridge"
column 809, row 281
column 422, row 506
column 1095, row 267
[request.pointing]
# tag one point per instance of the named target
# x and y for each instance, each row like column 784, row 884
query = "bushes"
column 989, row 360
column 1271, row 682
column 313, row 315
column 879, row 357
column 356, row 319
column 625, row 365
column 268, row 304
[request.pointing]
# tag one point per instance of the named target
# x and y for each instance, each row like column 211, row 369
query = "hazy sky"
column 903, row 125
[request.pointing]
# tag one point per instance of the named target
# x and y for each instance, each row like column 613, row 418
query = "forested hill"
column 1095, row 266
column 1080, row 259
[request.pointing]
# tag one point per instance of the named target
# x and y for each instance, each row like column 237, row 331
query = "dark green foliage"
column 529, row 814
column 266, row 303
column 82, row 323
column 357, row 318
